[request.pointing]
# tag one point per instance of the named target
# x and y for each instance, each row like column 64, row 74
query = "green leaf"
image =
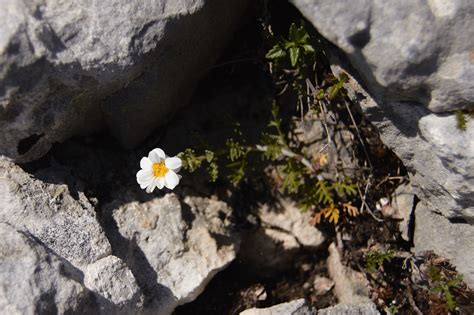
column 345, row 188
column 288, row 44
column 191, row 162
column 237, row 171
column 323, row 193
column 293, row 33
column 294, row 55
column 461, row 120
column 236, row 150
column 275, row 53
column 213, row 171
column 209, row 155
column 293, row 176
column 303, row 36
column 308, row 49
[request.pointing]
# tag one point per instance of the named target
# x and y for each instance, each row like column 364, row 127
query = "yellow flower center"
column 159, row 169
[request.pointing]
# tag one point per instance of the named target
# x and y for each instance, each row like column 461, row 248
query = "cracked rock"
column 111, row 279
column 173, row 247
column 71, row 67
column 296, row 307
column 350, row 286
column 285, row 230
column 33, row 280
column 47, row 210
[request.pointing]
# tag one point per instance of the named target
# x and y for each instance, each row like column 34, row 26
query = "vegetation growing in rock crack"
column 296, row 171
column 341, row 197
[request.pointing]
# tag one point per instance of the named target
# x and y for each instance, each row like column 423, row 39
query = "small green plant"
column 461, row 120
column 296, row 47
column 192, row 162
column 392, row 310
column 444, row 285
column 374, row 259
column 299, row 176
column 293, row 61
column 337, row 86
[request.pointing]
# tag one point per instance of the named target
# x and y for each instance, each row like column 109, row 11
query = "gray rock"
column 65, row 225
column 68, row 67
column 438, row 156
column 296, row 307
column 337, row 152
column 350, row 286
column 451, row 240
column 63, row 221
column 301, row 307
column 111, row 279
column 404, row 50
column 285, row 230
column 33, row 280
column 322, row 285
column 403, row 55
column 173, row 248
column 393, row 65
column 350, row 309
column 402, row 203
column 440, row 161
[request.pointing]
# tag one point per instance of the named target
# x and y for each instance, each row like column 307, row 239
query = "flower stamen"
column 159, row 169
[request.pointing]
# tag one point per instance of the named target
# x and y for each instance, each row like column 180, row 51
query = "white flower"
column 158, row 170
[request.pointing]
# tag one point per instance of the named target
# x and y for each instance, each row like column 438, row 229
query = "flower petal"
column 173, row 163
column 151, row 187
column 145, row 184
column 171, row 180
column 144, row 175
column 157, row 155
column 160, row 182
column 146, row 163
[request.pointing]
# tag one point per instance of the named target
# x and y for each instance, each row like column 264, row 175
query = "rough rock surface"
column 350, row 309
column 61, row 219
column 173, row 247
column 141, row 257
column 300, row 307
column 412, row 64
column 65, row 225
column 285, row 230
column 393, row 65
column 350, row 286
column 451, row 240
column 110, row 278
column 296, row 307
column 401, row 208
column 65, row 66
column 440, row 161
column 439, row 156
column 32, row 279
column 404, row 50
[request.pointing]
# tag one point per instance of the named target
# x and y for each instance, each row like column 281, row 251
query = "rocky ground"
column 80, row 236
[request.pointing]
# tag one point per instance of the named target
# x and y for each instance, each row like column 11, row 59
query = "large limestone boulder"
column 419, row 50
column 66, row 67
